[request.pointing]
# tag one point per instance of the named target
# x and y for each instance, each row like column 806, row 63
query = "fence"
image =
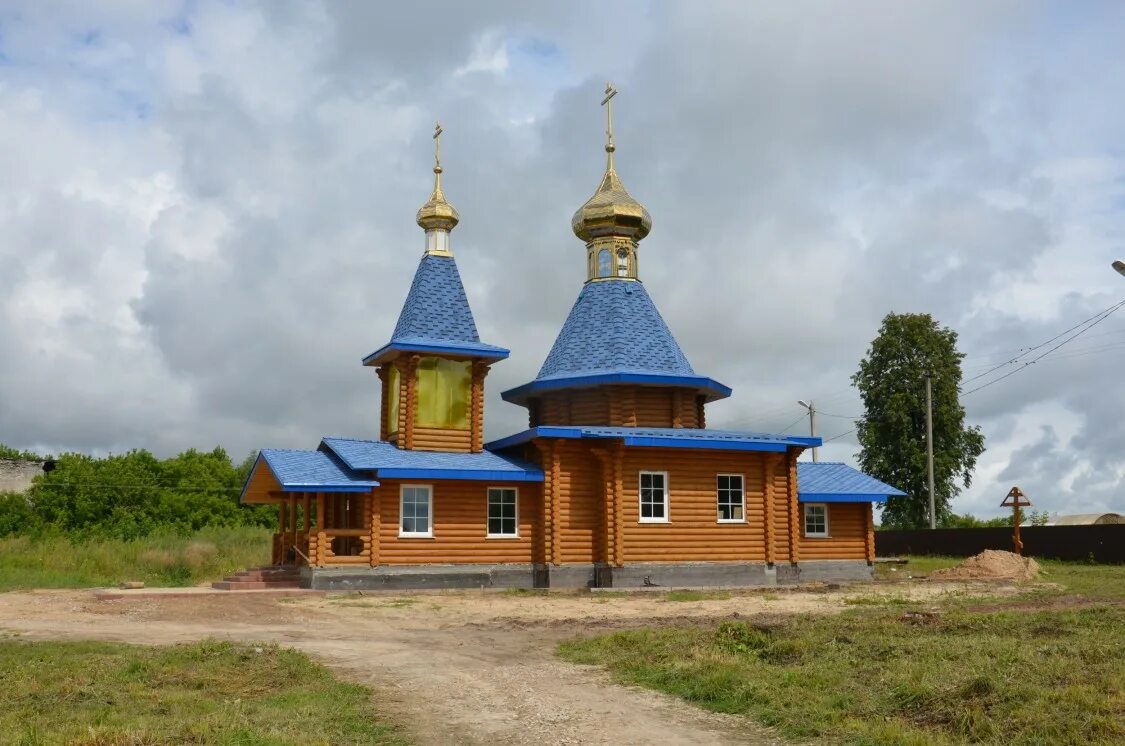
column 1105, row 543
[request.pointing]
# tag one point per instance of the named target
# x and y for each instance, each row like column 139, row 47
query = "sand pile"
column 991, row 564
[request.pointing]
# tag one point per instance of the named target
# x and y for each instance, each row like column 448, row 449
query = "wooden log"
column 384, row 401
column 768, row 466
column 792, row 509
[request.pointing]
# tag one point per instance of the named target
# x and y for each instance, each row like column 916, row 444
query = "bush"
column 133, row 495
column 16, row 515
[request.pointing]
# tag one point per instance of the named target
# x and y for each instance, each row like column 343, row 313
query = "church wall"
column 460, row 517
column 580, row 505
column 618, row 406
column 848, row 526
column 694, row 533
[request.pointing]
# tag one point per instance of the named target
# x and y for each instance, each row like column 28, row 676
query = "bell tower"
column 432, row 371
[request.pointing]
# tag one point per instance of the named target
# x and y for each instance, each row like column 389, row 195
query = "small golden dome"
column 437, row 213
column 611, row 211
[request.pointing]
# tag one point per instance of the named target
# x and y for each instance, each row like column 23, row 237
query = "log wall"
column 618, row 406
column 579, row 524
column 694, row 533
column 460, row 523
column 847, row 526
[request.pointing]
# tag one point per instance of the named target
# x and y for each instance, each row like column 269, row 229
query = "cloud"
column 209, row 215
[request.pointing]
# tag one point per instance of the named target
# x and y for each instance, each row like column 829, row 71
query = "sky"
column 207, row 209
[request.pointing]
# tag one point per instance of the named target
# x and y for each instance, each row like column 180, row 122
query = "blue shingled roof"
column 436, row 316
column 390, row 462
column 664, row 437
column 615, row 334
column 310, row 471
column 614, row 325
column 836, row 482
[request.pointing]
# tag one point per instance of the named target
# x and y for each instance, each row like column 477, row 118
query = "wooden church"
column 617, row 481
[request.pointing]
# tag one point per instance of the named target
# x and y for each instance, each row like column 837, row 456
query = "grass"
column 60, row 562
column 870, row 677
column 879, row 674
column 915, row 566
column 211, row 692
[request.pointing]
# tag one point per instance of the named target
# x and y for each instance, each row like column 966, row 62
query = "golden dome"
column 437, row 213
column 611, row 211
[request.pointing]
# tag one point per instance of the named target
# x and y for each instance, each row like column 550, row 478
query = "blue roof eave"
column 839, row 497
column 436, row 347
column 709, row 387
column 645, row 439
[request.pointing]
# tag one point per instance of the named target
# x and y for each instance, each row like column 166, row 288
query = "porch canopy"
column 832, row 482
column 279, row 470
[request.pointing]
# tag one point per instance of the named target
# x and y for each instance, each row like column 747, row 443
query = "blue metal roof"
column 836, row 482
column 390, row 462
column 664, row 437
column 614, row 329
column 436, row 316
column 310, row 471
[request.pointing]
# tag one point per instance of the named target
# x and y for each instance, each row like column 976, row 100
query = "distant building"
column 16, row 474
column 1086, row 519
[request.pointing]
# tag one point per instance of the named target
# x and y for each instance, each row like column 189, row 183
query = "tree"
column 892, row 432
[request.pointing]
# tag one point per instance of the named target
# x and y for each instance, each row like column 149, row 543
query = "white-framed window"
column 816, row 520
column 503, row 513
column 654, row 496
column 416, row 511
column 730, row 498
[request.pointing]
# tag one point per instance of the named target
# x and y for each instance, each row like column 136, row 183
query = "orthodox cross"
column 607, row 102
column 437, row 146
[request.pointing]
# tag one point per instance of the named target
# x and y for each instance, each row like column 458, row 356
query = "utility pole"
column 812, row 424
column 930, row 446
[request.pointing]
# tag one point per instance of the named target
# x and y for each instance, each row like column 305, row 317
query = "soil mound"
column 993, row 565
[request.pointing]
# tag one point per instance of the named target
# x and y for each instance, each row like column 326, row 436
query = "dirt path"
column 457, row 667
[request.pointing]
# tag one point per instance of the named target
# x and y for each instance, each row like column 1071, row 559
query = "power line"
column 1104, row 315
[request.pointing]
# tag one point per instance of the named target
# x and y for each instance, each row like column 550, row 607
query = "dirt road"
column 455, row 667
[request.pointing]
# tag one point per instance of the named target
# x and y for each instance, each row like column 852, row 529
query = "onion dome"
column 611, row 211
column 437, row 213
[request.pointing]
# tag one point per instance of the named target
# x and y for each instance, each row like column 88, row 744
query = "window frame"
column 640, row 498
column 429, row 534
column 827, row 533
column 742, row 502
column 488, row 518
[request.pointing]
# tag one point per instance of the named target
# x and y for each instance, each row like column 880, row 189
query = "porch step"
column 263, row 575
column 256, row 578
column 249, row 585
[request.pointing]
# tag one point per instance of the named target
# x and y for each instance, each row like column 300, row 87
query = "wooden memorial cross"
column 1016, row 500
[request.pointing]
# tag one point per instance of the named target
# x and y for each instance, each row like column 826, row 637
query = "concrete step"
column 256, row 575
column 246, row 585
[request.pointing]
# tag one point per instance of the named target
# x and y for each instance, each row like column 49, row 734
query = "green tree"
column 892, row 432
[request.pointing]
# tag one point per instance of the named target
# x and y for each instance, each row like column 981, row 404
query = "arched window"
column 604, row 259
column 622, row 262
